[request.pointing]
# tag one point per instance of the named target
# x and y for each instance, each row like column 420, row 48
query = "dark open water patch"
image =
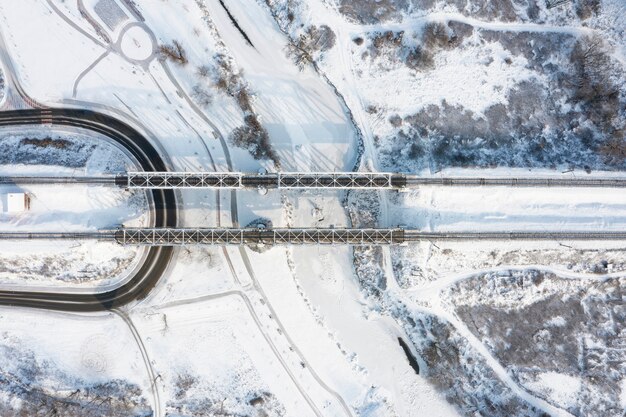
column 232, row 19
column 409, row 356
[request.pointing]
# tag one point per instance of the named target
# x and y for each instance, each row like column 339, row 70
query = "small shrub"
column 418, row 58
column 203, row 71
column 395, row 120
column 615, row 149
column 243, row 100
column 371, row 109
column 254, row 137
column 201, row 96
column 174, row 52
column 587, row 8
column 436, row 35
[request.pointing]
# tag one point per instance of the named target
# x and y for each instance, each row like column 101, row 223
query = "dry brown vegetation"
column 46, row 142
column 591, row 74
column 174, row 52
column 252, row 135
column 417, row 51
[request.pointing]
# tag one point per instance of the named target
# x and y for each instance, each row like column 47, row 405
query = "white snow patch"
column 558, row 321
column 560, row 388
column 137, row 44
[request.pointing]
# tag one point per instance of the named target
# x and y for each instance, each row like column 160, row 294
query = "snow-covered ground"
column 67, row 208
column 55, row 354
column 314, row 331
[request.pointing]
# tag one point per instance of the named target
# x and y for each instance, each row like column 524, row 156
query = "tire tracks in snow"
column 146, row 360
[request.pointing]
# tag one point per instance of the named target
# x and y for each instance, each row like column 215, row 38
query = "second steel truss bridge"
column 300, row 236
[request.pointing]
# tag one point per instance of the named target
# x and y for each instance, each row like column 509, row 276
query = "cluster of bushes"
column 595, row 91
column 533, row 128
column 228, row 80
column 46, row 142
column 590, row 79
column 436, row 36
column 192, row 398
column 222, row 76
column 29, row 387
column 417, row 51
column 45, row 151
column 252, row 135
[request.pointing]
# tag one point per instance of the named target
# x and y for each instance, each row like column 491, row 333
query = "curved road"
column 164, row 206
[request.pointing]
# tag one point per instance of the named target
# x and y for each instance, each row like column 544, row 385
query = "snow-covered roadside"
column 224, row 351
column 60, row 354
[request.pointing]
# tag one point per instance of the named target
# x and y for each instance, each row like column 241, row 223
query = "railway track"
column 170, row 237
column 301, row 180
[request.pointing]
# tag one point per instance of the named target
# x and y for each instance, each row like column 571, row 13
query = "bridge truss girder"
column 363, row 180
column 184, row 180
column 333, row 180
column 214, row 236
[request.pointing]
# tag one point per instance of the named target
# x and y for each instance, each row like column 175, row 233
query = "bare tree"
column 174, row 52
column 203, row 71
column 201, row 95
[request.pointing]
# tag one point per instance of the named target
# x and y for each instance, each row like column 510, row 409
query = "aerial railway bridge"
column 164, row 233
column 171, row 236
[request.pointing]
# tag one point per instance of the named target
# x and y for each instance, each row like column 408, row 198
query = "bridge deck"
column 305, row 236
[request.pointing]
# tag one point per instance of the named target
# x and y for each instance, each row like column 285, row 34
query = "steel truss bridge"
column 299, row 236
column 295, row 180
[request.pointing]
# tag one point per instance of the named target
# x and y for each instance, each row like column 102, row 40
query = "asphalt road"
column 163, row 206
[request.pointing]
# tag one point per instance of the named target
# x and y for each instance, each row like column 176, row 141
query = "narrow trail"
column 243, row 294
column 445, row 282
column 152, row 376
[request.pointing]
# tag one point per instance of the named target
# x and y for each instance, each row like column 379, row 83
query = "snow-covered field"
column 326, row 85
column 66, row 208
